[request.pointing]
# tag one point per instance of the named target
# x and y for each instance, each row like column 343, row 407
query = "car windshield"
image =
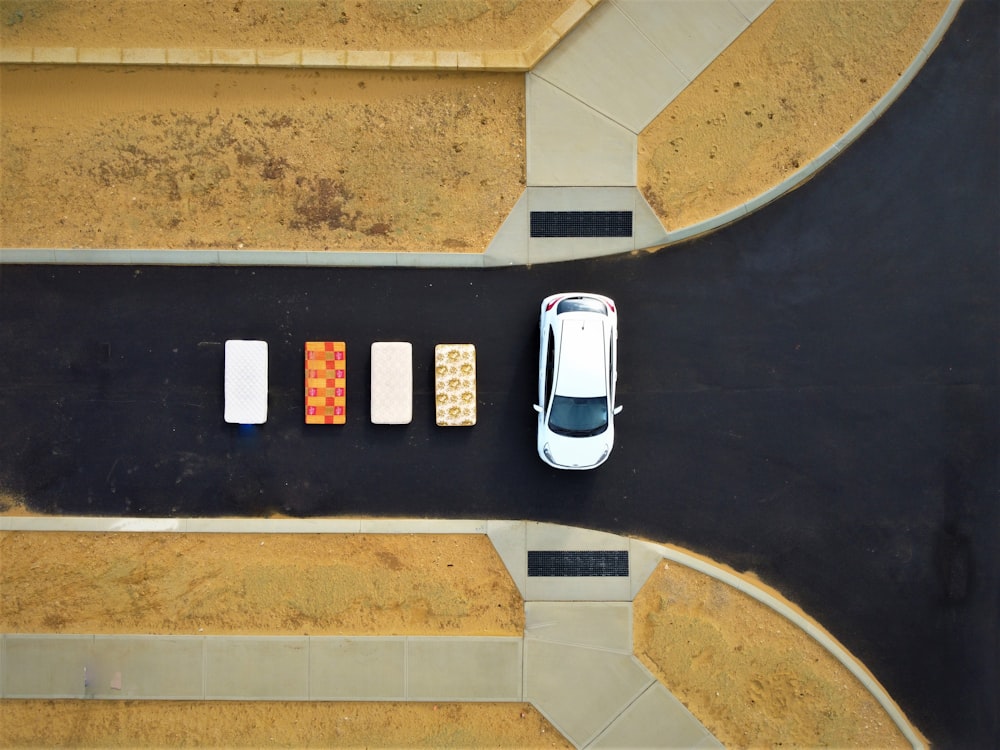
column 576, row 416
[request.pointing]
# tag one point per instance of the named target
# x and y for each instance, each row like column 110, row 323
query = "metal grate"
column 584, row 563
column 581, row 223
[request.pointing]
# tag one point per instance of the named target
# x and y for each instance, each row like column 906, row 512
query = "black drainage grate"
column 587, row 563
column 581, row 223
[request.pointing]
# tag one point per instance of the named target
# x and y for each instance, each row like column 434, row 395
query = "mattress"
column 326, row 382
column 455, row 385
column 246, row 382
column 392, row 382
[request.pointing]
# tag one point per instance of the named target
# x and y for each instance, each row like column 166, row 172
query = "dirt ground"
column 749, row 675
column 775, row 100
column 228, row 724
column 334, row 160
column 258, row 158
column 281, row 584
column 313, row 24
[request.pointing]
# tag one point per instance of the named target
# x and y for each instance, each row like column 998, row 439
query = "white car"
column 577, row 373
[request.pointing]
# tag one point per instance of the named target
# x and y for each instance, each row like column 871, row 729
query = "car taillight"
column 611, row 305
column 552, row 304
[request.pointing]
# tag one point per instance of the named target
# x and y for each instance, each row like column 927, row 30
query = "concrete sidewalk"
column 585, row 108
column 597, row 694
column 574, row 662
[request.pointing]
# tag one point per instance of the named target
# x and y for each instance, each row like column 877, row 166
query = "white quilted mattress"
column 392, row 382
column 246, row 382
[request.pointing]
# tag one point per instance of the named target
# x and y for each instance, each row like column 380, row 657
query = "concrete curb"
column 314, row 258
column 472, row 526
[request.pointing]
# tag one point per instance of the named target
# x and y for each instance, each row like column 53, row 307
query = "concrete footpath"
column 574, row 662
column 585, row 109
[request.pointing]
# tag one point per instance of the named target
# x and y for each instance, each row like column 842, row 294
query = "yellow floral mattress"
column 455, row 385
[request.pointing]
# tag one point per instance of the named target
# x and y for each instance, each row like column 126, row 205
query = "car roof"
column 582, row 368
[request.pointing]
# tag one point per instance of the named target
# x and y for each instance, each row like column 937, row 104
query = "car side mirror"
column 538, row 408
column 618, row 410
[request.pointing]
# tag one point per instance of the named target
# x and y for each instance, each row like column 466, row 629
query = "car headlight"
column 548, row 454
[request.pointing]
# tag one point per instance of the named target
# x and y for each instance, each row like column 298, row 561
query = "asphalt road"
column 811, row 393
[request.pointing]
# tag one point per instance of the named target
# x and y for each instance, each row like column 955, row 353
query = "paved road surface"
column 811, row 394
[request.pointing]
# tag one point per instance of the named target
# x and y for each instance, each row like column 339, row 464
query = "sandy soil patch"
column 258, row 158
column 783, row 92
column 279, row 584
column 749, row 675
column 137, row 724
column 321, row 24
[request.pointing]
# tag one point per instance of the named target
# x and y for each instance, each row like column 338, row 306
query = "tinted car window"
column 578, row 304
column 611, row 367
column 579, row 417
column 550, row 366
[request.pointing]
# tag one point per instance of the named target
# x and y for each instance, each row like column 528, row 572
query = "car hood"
column 577, row 453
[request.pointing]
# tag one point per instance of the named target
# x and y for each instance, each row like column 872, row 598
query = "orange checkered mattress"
column 326, row 382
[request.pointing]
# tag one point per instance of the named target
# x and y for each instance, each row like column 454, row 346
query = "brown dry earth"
column 750, row 676
column 313, row 24
column 235, row 584
column 782, row 94
column 258, row 158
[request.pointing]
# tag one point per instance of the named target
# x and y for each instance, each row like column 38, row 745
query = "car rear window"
column 581, row 304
